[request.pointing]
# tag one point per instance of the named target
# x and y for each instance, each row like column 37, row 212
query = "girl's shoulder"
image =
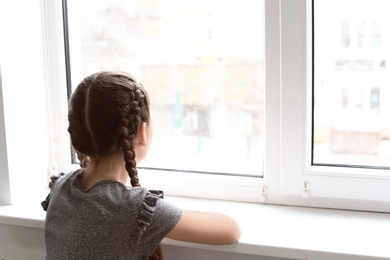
column 61, row 177
column 55, row 181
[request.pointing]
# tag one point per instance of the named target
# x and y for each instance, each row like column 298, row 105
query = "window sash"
column 317, row 185
column 228, row 163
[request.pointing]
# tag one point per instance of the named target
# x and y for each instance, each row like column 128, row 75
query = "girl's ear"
column 142, row 141
column 142, row 135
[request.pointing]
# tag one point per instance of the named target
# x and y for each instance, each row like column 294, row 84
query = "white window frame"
column 335, row 187
column 25, row 146
column 234, row 188
column 5, row 191
column 288, row 178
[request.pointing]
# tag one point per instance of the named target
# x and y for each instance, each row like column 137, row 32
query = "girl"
column 92, row 213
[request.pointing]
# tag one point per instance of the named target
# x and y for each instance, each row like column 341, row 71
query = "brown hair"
column 105, row 114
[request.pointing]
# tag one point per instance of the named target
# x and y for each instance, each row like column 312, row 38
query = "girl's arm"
column 206, row 228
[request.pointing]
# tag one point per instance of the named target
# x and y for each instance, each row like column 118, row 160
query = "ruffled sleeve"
column 148, row 207
column 53, row 180
column 156, row 218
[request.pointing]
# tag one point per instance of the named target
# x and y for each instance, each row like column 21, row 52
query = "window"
column 376, row 33
column 330, row 160
column 303, row 55
column 202, row 64
column 355, row 130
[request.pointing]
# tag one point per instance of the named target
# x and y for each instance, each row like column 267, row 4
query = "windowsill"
column 270, row 230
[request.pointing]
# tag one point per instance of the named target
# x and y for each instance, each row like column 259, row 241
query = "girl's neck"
column 107, row 168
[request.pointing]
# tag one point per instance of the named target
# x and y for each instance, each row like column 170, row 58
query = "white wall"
column 20, row 243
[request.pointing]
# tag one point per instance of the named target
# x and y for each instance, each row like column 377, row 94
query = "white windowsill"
column 271, row 230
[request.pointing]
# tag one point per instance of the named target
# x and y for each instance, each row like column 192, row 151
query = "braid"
column 157, row 254
column 129, row 128
column 126, row 143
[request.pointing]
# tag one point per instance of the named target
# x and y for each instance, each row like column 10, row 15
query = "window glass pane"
column 202, row 64
column 351, row 83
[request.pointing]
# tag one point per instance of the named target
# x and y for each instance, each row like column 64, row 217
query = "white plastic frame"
column 339, row 187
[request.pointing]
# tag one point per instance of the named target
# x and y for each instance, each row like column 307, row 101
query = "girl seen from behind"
column 92, row 213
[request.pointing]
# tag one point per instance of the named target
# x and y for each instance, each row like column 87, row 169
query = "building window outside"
column 354, row 131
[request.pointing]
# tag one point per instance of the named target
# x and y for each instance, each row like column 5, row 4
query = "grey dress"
column 108, row 221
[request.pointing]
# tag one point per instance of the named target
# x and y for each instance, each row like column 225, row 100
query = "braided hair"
column 105, row 114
